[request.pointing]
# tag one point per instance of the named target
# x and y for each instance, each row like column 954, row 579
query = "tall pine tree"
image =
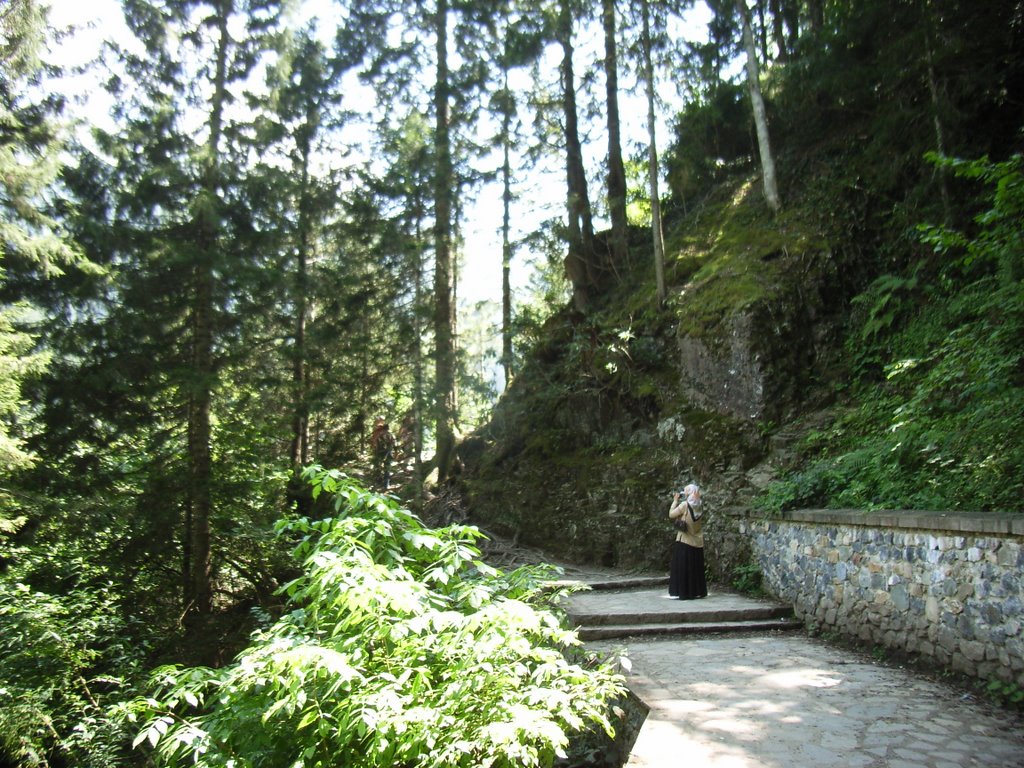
column 31, row 242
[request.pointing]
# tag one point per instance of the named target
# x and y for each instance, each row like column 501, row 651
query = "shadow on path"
column 782, row 699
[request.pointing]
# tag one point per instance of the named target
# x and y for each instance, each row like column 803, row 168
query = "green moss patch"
column 735, row 260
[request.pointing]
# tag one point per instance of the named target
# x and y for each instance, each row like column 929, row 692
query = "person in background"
column 407, row 435
column 382, row 446
column 686, row 579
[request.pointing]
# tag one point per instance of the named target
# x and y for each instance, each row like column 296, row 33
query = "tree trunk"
column 657, row 233
column 578, row 261
column 933, row 90
column 816, row 16
column 198, row 597
column 506, row 233
column 762, row 30
column 300, row 425
column 778, row 29
column 300, row 383
column 771, row 192
column 444, row 336
column 616, row 171
column 197, row 590
column 791, row 9
column 418, row 367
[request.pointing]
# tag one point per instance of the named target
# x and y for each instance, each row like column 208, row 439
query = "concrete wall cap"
column 1003, row 523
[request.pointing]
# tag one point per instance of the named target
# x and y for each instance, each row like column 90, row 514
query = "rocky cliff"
column 618, row 407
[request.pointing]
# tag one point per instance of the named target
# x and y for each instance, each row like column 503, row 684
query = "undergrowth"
column 401, row 647
column 936, row 408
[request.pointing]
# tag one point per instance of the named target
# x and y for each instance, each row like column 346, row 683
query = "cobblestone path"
column 786, row 700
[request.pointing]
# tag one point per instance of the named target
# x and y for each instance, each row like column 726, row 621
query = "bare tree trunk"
column 456, row 248
column 300, row 422
column 778, row 30
column 198, row 591
column 816, row 16
column 771, row 192
column 791, row 10
column 762, row 29
column 418, row 387
column 198, row 596
column 616, row 170
column 506, row 233
column 933, row 89
column 657, row 233
column 578, row 261
column 298, row 492
column 444, row 307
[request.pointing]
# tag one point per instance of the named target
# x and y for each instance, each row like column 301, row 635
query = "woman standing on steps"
column 686, row 579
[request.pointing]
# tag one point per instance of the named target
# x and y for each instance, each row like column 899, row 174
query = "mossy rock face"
column 601, row 499
column 603, row 509
column 756, row 318
column 632, row 401
column 757, row 361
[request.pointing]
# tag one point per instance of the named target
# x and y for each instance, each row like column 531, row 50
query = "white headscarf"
column 692, row 492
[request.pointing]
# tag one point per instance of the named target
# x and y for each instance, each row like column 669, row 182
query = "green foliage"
column 1006, row 694
column 400, row 648
column 998, row 248
column 64, row 659
column 712, row 136
column 30, row 145
column 17, row 363
column 942, row 429
column 65, row 654
column 884, row 297
column 747, row 579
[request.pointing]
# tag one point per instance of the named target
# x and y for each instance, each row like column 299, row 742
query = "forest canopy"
column 256, row 261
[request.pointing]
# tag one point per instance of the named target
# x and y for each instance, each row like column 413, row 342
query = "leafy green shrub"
column 747, row 579
column 401, row 648
column 942, row 429
column 712, row 136
column 1006, row 694
column 63, row 661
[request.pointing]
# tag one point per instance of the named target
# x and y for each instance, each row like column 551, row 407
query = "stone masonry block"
column 955, row 591
column 962, row 664
column 973, row 650
column 1009, row 555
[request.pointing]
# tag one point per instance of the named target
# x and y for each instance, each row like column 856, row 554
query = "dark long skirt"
column 686, row 579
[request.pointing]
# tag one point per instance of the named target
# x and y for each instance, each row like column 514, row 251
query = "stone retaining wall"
column 943, row 586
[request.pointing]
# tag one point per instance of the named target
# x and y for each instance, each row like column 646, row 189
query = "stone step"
column 645, row 608
column 622, row 583
column 618, row 631
column 683, row 614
